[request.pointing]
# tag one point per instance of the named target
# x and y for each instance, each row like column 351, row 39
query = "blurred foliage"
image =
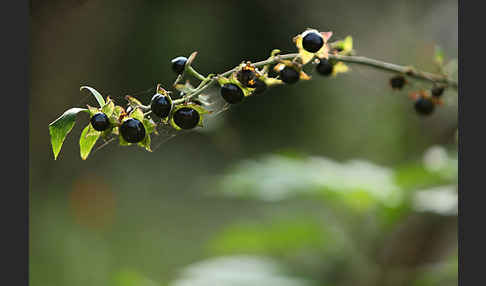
column 327, row 182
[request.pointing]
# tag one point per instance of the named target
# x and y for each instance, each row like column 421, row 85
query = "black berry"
column 260, row 87
column 289, row 75
column 100, row 121
column 232, row 93
column 161, row 105
column 246, row 77
column 397, row 82
column 437, row 91
column 424, row 106
column 132, row 130
column 178, row 64
column 272, row 73
column 186, row 118
column 312, row 42
column 324, row 67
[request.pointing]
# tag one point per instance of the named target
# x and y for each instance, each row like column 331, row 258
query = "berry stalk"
column 360, row 60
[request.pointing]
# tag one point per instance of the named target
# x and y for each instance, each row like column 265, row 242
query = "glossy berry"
column 289, row 75
column 260, row 87
column 312, row 42
column 397, row 82
column 161, row 105
column 178, row 64
column 324, row 67
column 132, row 130
column 272, row 73
column 424, row 106
column 245, row 76
column 232, row 93
column 186, row 118
column 437, row 91
column 100, row 121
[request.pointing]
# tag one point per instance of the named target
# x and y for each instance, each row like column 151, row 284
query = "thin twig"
column 405, row 70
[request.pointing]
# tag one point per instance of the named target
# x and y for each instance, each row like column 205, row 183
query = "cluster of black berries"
column 132, row 130
column 185, row 117
column 424, row 104
column 313, row 42
column 248, row 77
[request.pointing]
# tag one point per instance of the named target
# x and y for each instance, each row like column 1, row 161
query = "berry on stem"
column 246, row 77
column 325, row 67
column 161, row 105
column 424, row 106
column 260, row 87
column 397, row 82
column 132, row 130
column 232, row 93
column 186, row 118
column 437, row 91
column 312, row 41
column 178, row 64
column 289, row 75
column 100, row 121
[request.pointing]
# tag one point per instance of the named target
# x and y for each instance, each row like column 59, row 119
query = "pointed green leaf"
column 132, row 101
column 114, row 118
column 118, row 111
column 137, row 114
column 108, row 108
column 60, row 128
column 88, row 139
column 96, row 94
column 348, row 44
column 92, row 110
column 149, row 125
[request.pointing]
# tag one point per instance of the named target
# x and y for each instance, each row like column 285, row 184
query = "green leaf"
column 137, row 114
column 96, row 94
column 149, row 125
column 133, row 102
column 92, row 110
column 116, row 114
column 60, row 128
column 88, row 139
column 348, row 44
column 108, row 108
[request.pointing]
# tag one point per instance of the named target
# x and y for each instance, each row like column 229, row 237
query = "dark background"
column 128, row 217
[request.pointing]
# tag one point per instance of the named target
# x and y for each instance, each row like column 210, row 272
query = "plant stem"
column 194, row 73
column 408, row 71
column 405, row 70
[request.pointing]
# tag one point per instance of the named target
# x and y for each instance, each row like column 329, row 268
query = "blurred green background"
column 326, row 182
